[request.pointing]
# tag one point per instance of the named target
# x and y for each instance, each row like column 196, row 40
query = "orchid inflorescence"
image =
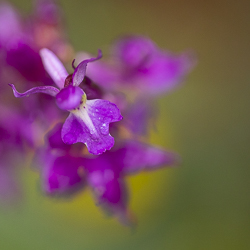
column 110, row 105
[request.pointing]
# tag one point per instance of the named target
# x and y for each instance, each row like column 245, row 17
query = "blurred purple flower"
column 20, row 52
column 136, row 72
column 21, row 40
column 142, row 71
column 89, row 120
column 64, row 172
column 137, row 63
column 60, row 164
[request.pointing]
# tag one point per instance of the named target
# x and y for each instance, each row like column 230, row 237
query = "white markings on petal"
column 89, row 124
column 82, row 113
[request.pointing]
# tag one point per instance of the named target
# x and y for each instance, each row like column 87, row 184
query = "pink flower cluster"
column 109, row 102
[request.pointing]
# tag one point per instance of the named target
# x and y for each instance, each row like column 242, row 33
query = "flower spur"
column 89, row 120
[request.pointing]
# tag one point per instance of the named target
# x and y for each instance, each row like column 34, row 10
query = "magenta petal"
column 49, row 90
column 164, row 72
column 61, row 174
column 69, row 97
column 137, row 156
column 104, row 74
column 27, row 61
column 53, row 139
column 74, row 130
column 109, row 190
column 140, row 116
column 111, row 194
column 80, row 70
column 54, row 67
column 90, row 125
column 10, row 24
column 134, row 50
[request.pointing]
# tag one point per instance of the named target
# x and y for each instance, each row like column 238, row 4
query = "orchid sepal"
column 49, row 90
column 54, row 67
column 80, row 70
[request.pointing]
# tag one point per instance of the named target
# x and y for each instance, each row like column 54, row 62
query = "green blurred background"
column 205, row 203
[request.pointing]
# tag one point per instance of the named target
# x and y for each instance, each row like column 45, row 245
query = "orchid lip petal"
column 80, row 70
column 89, row 124
column 49, row 90
column 54, row 67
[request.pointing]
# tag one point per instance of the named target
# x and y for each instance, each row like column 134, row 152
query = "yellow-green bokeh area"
column 205, row 203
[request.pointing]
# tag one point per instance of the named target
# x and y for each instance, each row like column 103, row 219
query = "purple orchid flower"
column 89, row 120
column 106, row 173
column 139, row 68
column 137, row 63
column 65, row 170
column 61, row 166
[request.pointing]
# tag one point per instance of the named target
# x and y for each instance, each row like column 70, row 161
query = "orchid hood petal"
column 89, row 124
